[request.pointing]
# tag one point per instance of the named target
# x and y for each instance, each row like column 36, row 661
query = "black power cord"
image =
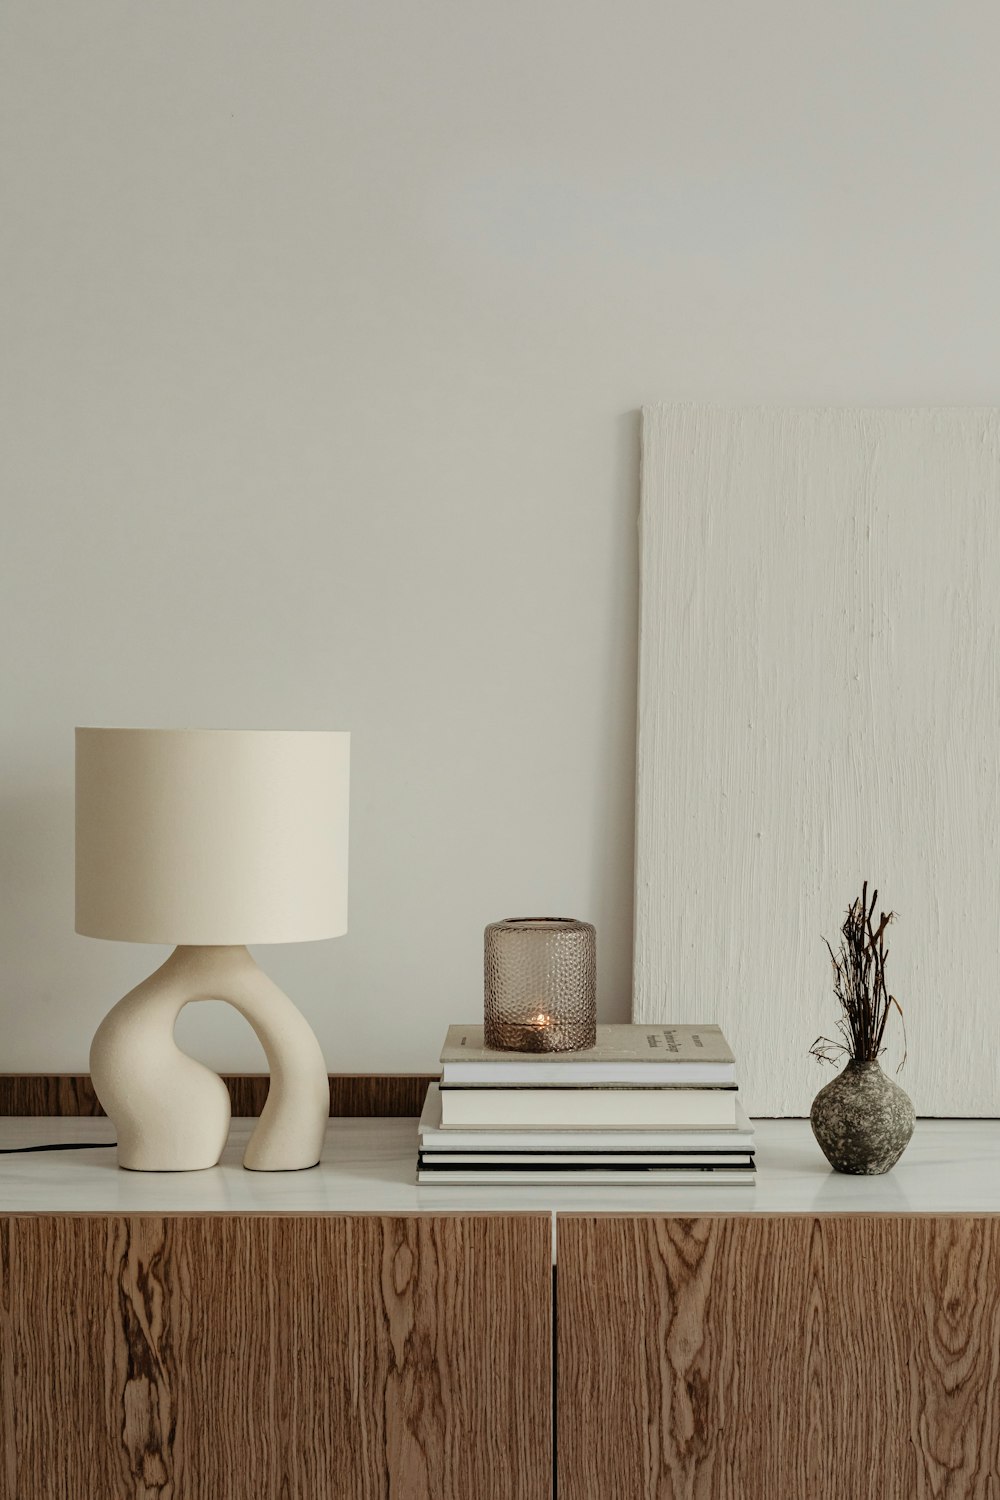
column 60, row 1146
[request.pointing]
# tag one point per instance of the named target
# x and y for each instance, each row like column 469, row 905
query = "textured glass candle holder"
column 540, row 984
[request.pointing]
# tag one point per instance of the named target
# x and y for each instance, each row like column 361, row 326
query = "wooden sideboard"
column 344, row 1333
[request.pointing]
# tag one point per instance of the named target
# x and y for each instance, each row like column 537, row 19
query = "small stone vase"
column 862, row 1120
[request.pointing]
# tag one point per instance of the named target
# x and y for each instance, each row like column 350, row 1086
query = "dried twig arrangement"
column 859, row 984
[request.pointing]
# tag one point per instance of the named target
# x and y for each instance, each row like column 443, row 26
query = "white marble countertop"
column 951, row 1166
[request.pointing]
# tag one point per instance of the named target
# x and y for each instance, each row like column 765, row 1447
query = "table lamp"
column 210, row 839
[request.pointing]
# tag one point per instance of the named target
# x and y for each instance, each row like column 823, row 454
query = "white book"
column 587, row 1109
column 624, row 1054
column 605, row 1176
column 579, row 1159
column 739, row 1137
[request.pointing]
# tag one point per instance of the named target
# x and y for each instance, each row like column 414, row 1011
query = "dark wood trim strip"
column 389, row 1095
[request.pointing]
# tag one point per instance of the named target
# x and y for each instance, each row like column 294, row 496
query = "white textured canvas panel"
column 818, row 704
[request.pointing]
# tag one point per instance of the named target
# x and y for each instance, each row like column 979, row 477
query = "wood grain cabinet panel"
column 791, row 1358
column 251, row 1357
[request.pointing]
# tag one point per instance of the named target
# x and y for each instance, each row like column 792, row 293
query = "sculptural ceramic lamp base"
column 171, row 1112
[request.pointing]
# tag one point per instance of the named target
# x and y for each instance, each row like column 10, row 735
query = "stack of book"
column 646, row 1104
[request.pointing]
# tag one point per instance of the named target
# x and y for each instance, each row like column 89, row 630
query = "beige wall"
column 324, row 328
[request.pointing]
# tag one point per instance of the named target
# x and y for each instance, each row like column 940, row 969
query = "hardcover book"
column 587, row 1108
column 624, row 1054
column 529, row 1161
column 589, row 1141
column 605, row 1176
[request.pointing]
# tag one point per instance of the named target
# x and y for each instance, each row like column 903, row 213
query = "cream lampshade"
column 210, row 839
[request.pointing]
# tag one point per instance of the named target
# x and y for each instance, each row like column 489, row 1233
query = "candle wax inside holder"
column 533, row 1034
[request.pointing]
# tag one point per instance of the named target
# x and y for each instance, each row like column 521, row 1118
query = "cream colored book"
column 586, row 1108
column 625, row 1054
column 432, row 1137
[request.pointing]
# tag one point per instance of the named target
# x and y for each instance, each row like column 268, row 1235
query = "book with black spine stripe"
column 589, row 1176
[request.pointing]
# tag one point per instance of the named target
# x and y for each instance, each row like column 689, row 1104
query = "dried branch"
column 859, row 985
